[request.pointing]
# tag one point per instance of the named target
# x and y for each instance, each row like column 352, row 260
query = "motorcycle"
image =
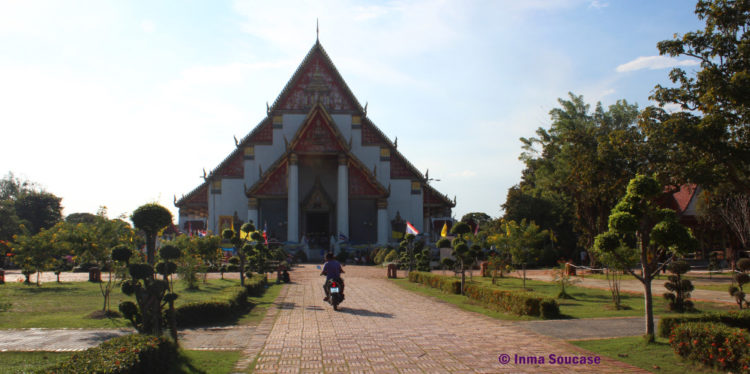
column 335, row 293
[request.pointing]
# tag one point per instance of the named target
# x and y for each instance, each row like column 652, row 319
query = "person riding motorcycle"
column 332, row 270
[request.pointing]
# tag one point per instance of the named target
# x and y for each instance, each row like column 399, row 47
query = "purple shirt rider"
column 332, row 269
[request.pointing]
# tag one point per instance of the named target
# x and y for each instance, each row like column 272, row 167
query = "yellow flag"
column 243, row 235
column 444, row 231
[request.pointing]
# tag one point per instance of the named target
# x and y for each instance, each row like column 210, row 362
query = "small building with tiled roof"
column 315, row 168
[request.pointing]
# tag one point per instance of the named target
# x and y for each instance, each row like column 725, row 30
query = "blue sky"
column 122, row 103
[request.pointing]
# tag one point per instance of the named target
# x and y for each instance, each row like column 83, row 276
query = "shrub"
column 521, row 303
column 517, row 302
column 378, row 259
column 125, row 354
column 679, row 289
column 741, row 279
column 220, row 311
column 391, row 256
column 342, row 256
column 740, row 319
column 446, row 284
column 300, row 256
column 712, row 344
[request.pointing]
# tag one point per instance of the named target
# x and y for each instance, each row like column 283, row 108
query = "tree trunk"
column 242, row 267
column 649, row 307
column 150, row 247
column 523, row 266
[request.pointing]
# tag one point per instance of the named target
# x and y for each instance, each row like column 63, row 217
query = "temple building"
column 314, row 170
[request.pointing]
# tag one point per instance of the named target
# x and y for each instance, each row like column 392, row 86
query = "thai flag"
column 410, row 229
column 265, row 236
column 343, row 238
column 202, row 233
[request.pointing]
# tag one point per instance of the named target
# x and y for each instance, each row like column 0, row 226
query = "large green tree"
column 39, row 210
column 577, row 169
column 638, row 226
column 708, row 140
column 151, row 218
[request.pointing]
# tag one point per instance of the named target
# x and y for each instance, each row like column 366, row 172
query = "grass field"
column 261, row 305
column 692, row 276
column 657, row 357
column 59, row 305
column 218, row 362
column 586, row 302
column 718, row 282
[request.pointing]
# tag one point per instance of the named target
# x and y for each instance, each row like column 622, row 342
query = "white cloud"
column 598, row 4
column 654, row 63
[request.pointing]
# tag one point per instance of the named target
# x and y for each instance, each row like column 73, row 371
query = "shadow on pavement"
column 286, row 305
column 100, row 337
column 366, row 313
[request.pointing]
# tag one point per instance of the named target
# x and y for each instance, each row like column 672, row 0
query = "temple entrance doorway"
column 318, row 230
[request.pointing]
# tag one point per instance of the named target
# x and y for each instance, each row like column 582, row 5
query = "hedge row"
column 125, row 354
column 713, row 344
column 732, row 318
column 220, row 311
column 517, row 302
column 444, row 283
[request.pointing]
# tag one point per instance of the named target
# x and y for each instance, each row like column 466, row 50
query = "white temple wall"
column 403, row 202
column 344, row 124
column 231, row 199
column 290, row 123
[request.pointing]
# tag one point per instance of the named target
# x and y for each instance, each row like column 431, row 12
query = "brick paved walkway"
column 384, row 329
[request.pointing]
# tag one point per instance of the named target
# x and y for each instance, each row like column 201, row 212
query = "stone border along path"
column 382, row 328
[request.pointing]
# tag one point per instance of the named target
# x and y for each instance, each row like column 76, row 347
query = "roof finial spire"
column 317, row 31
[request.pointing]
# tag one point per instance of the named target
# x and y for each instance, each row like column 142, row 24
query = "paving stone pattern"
column 381, row 328
column 60, row 340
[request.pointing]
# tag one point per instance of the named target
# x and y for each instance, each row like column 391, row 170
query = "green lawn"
column 587, row 302
column 656, row 358
column 27, row 362
column 218, row 362
column 664, row 277
column 58, row 305
column 261, row 305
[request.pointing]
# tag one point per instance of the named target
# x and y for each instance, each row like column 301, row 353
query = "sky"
column 121, row 103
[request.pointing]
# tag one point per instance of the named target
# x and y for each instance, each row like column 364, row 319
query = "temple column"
column 342, row 199
column 383, row 222
column 292, row 229
column 252, row 211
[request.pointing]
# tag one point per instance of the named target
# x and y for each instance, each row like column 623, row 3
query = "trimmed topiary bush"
column 679, row 289
column 391, row 256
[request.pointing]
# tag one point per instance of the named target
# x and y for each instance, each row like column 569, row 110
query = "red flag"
column 265, row 236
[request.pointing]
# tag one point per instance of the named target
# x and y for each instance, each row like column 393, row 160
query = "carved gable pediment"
column 316, row 81
column 273, row 183
column 318, row 134
column 317, row 199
